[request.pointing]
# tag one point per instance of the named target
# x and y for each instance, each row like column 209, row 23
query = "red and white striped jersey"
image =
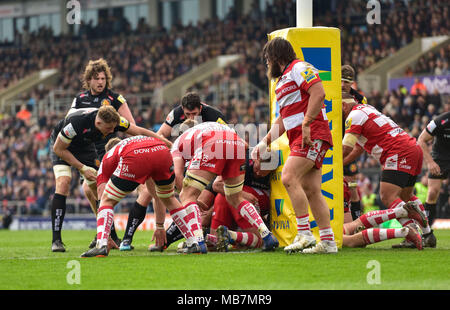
column 379, row 135
column 194, row 139
column 292, row 97
column 137, row 144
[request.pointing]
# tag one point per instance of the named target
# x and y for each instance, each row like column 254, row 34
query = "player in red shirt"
column 398, row 153
column 131, row 162
column 215, row 149
column 300, row 96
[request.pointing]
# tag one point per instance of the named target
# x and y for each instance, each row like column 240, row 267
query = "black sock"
column 430, row 210
column 173, row 234
column 135, row 217
column 355, row 209
column 58, row 212
column 113, row 233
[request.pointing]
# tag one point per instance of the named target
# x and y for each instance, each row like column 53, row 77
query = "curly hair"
column 93, row 68
column 279, row 50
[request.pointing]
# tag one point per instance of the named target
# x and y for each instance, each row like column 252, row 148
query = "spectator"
column 417, row 87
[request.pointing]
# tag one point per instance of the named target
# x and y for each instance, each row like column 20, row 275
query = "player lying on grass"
column 131, row 162
column 364, row 230
column 214, row 149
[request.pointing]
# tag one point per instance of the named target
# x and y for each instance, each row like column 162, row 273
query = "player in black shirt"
column 96, row 80
column 438, row 163
column 191, row 107
column 73, row 141
column 351, row 170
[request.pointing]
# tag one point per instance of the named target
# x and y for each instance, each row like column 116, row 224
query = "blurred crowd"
column 432, row 63
column 144, row 59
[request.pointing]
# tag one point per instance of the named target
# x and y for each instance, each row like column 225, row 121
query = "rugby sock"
column 355, row 209
column 415, row 199
column 211, row 240
column 173, row 233
column 303, row 225
column 113, row 232
column 195, row 222
column 375, row 218
column 187, row 218
column 105, row 219
column 247, row 239
column 373, row 235
column 430, row 209
column 58, row 212
column 326, row 234
column 396, row 203
column 135, row 217
column 248, row 211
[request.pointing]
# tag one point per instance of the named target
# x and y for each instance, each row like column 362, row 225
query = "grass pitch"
column 27, row 263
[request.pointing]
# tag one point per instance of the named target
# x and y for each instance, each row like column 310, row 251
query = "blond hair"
column 111, row 143
column 108, row 114
column 93, row 68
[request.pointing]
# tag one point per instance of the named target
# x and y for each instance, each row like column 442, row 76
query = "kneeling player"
column 131, row 162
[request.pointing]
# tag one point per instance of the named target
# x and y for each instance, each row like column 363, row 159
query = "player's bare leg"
column 299, row 177
column 194, row 183
column 233, row 193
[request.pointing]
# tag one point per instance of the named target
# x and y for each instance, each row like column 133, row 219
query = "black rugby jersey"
column 439, row 128
column 208, row 114
column 79, row 127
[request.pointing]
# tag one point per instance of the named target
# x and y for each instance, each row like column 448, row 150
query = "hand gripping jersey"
column 292, row 97
column 382, row 138
column 136, row 159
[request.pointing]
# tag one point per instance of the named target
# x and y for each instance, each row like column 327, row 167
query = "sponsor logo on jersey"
column 308, row 75
column 124, row 123
column 106, row 102
column 69, row 131
column 221, row 121
column 121, row 99
column 348, row 123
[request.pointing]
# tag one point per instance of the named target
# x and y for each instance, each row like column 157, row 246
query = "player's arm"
column 60, row 148
column 276, row 130
column 141, row 131
column 124, row 111
column 423, row 141
column 165, row 130
column 353, row 155
column 348, row 144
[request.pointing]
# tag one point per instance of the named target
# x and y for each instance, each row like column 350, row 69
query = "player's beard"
column 273, row 71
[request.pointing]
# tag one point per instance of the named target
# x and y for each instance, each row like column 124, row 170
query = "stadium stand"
column 145, row 59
